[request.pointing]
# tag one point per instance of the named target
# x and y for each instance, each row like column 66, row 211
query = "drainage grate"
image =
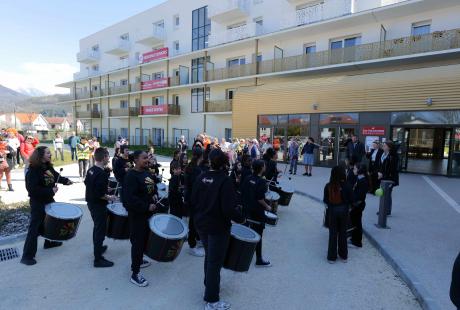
column 7, row 254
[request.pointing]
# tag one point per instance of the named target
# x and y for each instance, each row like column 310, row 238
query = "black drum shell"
column 162, row 249
column 271, row 221
column 60, row 229
column 239, row 255
column 285, row 197
column 162, row 206
column 273, row 204
column 112, row 183
column 117, row 226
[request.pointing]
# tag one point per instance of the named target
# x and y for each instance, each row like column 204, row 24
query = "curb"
column 423, row 297
column 13, row 238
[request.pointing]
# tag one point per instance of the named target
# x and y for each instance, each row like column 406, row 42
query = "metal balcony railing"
column 218, row 106
column 132, row 111
column 122, row 89
column 88, row 114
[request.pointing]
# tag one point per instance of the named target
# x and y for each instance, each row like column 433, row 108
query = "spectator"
column 308, row 155
column 388, row 169
column 355, row 150
column 73, row 141
column 14, row 144
column 58, row 144
column 83, row 154
column 182, row 147
column 18, row 151
column 5, row 163
column 93, row 146
column 27, row 148
column 293, row 156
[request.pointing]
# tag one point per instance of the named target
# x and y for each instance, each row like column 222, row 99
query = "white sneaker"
column 220, row 305
column 199, row 252
column 199, row 244
column 139, row 280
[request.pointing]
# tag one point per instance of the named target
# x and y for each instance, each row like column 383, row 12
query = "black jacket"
column 355, row 151
column 214, row 202
column 389, row 168
column 97, row 183
column 271, row 171
column 374, row 165
column 138, row 191
column 360, row 190
column 175, row 191
column 253, row 189
column 119, row 168
column 191, row 174
column 346, row 193
column 40, row 182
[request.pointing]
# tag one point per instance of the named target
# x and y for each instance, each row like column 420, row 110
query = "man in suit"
column 355, row 150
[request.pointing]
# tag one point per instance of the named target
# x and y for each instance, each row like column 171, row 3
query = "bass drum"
column 272, row 199
column 167, row 235
column 61, row 221
column 117, row 222
column 285, row 191
column 241, row 248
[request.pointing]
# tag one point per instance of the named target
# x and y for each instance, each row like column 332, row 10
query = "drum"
column 162, row 187
column 285, row 191
column 272, row 198
column 271, row 218
column 113, row 182
column 241, row 248
column 117, row 222
column 167, row 235
column 61, row 221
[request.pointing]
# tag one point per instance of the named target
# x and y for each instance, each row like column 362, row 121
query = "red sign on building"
column 153, row 84
column 154, row 109
column 373, row 131
column 154, row 55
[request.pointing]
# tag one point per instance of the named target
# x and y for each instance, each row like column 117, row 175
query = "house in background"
column 58, row 123
column 32, row 122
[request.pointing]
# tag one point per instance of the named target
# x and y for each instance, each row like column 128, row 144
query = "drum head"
column 161, row 187
column 112, row 179
column 272, row 196
column 244, row 233
column 117, row 208
column 162, row 194
column 287, row 188
column 64, row 211
column 168, row 226
column 270, row 215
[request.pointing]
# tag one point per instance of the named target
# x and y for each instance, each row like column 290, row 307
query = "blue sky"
column 39, row 38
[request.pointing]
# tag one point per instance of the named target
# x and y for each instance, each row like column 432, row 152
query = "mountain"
column 32, row 92
column 8, row 95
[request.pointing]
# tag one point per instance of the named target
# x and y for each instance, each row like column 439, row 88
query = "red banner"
column 373, row 131
column 153, row 84
column 154, row 109
column 154, row 55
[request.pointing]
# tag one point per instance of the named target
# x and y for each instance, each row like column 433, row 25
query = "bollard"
column 384, row 206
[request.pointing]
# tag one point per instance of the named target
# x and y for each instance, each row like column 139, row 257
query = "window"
column 137, row 102
column 347, row 42
column 201, row 27
column 95, row 87
column 236, row 61
column 228, row 134
column 160, row 24
column 229, row 93
column 158, row 100
column 176, row 46
column 310, row 49
column 421, row 28
column 175, row 99
column 197, row 69
column 95, row 48
column 176, row 21
column 157, row 75
column 125, row 37
column 158, row 136
column 198, row 99
column 124, row 132
column 123, row 104
column 124, row 82
column 95, row 67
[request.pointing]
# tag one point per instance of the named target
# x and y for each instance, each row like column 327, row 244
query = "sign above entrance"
column 373, row 130
column 154, row 55
column 154, row 109
column 153, row 84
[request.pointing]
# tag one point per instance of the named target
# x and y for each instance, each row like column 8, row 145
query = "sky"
column 39, row 38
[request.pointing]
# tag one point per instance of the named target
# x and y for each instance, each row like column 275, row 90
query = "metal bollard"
column 384, row 206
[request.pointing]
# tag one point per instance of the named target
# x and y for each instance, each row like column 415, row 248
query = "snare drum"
column 61, row 221
column 272, row 198
column 271, row 218
column 117, row 222
column 285, row 191
column 167, row 235
column 241, row 248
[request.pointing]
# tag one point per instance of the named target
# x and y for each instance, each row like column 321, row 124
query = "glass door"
column 327, row 156
column 401, row 138
column 455, row 153
column 345, row 134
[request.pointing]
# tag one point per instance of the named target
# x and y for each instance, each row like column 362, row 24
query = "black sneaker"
column 104, row 249
column 139, row 280
column 28, row 261
column 51, row 244
column 145, row 263
column 102, row 263
column 305, row 173
column 263, row 263
column 309, row 174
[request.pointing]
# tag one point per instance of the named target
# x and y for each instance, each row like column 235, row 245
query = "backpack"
column 335, row 195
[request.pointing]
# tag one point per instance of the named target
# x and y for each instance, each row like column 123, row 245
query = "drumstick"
column 59, row 176
column 116, row 189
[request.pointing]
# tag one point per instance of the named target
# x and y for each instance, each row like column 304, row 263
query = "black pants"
column 258, row 228
column 175, row 208
column 82, row 167
column 18, row 155
column 192, row 233
column 138, row 225
column 73, row 153
column 356, row 215
column 338, row 222
column 99, row 216
column 215, row 247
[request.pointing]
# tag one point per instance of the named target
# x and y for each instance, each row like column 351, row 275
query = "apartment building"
column 381, row 69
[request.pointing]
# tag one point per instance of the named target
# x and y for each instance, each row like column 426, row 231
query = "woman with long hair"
column 41, row 179
column 360, row 190
column 338, row 197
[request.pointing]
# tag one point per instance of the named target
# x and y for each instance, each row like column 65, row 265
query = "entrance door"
column 333, row 141
column 455, row 153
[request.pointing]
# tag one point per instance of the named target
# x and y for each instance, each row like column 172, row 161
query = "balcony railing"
column 122, row 89
column 132, row 111
column 88, row 56
column 236, row 33
column 225, row 11
column 83, row 95
column 96, row 93
column 310, row 14
column 231, row 72
column 122, row 47
column 88, row 114
column 157, row 36
column 218, row 106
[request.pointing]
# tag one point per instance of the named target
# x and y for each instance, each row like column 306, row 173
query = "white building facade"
column 175, row 69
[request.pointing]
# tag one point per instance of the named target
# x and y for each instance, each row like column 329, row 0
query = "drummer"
column 254, row 205
column 138, row 192
column 214, row 202
column 96, row 181
column 175, row 196
column 122, row 165
column 41, row 180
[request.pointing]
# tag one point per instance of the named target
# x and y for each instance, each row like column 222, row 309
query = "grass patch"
column 58, row 162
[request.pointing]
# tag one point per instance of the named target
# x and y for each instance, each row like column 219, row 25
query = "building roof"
column 27, row 118
column 56, row 120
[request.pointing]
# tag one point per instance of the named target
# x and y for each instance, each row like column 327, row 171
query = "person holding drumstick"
column 254, row 205
column 139, row 189
column 214, row 203
column 97, row 186
column 41, row 184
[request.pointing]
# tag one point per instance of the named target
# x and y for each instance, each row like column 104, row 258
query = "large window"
column 158, row 136
column 198, row 65
column 421, row 28
column 198, row 99
column 348, row 42
column 177, row 133
column 201, row 27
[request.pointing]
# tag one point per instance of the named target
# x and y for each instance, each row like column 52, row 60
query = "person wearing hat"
column 214, row 204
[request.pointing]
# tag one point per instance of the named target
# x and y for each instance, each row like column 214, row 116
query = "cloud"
column 41, row 76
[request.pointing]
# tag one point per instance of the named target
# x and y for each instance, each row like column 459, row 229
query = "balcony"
column 88, row 57
column 236, row 33
column 122, row 47
column 88, row 114
column 122, row 89
column 133, row 111
column 218, row 106
column 82, row 95
column 227, row 11
column 160, row 110
column 231, row 72
column 157, row 36
column 318, row 12
column 85, row 74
